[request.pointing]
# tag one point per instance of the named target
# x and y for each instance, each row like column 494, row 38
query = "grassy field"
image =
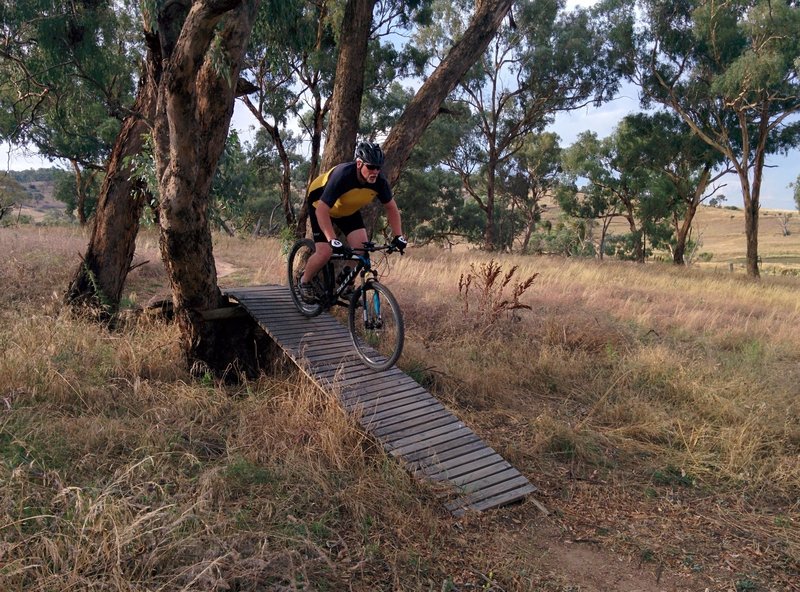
column 655, row 408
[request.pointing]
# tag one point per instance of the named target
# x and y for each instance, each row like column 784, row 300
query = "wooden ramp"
column 410, row 423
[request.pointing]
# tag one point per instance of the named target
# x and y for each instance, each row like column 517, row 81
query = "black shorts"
column 346, row 224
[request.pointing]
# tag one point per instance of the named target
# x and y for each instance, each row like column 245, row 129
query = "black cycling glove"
column 400, row 243
column 339, row 248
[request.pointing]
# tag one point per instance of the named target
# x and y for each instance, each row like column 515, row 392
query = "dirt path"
column 224, row 268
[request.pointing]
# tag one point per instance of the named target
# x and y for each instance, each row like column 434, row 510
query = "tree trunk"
column 348, row 87
column 195, row 106
column 320, row 111
column 679, row 254
column 100, row 277
column 751, row 210
column 80, row 193
column 490, row 232
column 286, row 166
column 424, row 107
column 638, row 248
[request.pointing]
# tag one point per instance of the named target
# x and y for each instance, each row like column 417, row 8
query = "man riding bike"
column 336, row 197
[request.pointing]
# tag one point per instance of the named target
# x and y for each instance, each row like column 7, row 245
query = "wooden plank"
column 322, row 335
column 398, row 407
column 418, row 428
column 407, row 420
column 444, row 451
column 480, row 480
column 428, row 443
column 368, row 376
column 496, row 501
column 456, row 467
column 365, row 401
column 368, row 397
column 428, row 435
column 334, row 359
column 408, row 407
column 367, row 411
column 310, row 334
column 413, row 419
column 324, row 355
column 484, row 494
column 459, row 464
column 333, row 374
column 369, row 392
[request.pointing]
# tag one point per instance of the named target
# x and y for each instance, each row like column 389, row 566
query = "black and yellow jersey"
column 342, row 191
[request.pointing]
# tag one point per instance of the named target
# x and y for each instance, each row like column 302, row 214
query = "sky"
column 776, row 194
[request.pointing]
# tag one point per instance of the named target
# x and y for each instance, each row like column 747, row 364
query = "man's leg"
column 357, row 238
column 317, row 261
column 322, row 250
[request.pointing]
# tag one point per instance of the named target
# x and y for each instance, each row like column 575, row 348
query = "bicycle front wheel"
column 298, row 256
column 376, row 325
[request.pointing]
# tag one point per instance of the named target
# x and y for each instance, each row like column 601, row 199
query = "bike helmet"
column 370, row 153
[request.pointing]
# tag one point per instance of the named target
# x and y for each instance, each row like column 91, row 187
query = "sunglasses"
column 372, row 167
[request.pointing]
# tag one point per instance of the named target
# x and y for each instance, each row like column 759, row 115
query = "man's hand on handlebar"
column 400, row 243
column 340, row 248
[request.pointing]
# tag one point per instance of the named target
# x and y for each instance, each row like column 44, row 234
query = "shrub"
column 487, row 284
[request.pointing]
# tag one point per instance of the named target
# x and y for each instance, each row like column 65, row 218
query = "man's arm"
column 392, row 215
column 324, row 220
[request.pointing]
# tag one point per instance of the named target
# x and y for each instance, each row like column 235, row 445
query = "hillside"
column 40, row 204
column 721, row 234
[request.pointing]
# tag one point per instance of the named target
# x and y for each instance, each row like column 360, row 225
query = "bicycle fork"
column 372, row 310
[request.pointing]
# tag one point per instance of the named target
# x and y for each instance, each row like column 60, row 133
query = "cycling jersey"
column 341, row 189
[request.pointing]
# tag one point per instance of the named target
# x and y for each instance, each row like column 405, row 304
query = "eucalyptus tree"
column 66, row 80
column 615, row 187
column 685, row 169
column 532, row 174
column 543, row 61
column 433, row 205
column 442, row 73
column 201, row 44
column 730, row 71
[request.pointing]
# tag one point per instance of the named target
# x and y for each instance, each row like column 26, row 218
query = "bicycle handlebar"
column 370, row 247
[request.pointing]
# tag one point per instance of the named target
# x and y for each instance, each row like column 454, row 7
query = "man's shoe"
column 307, row 294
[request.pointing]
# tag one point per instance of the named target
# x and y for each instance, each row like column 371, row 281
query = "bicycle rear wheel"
column 376, row 325
column 301, row 251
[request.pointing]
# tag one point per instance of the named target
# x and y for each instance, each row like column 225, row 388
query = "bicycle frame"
column 362, row 268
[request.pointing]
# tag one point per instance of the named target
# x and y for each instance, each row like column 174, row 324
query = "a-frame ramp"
column 410, row 423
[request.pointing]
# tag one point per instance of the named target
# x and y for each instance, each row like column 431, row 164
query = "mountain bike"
column 373, row 315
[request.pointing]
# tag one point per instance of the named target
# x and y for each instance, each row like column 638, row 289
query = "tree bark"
column 100, row 277
column 195, row 106
column 751, row 211
column 348, row 88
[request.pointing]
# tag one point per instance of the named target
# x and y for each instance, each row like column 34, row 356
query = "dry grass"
column 656, row 409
